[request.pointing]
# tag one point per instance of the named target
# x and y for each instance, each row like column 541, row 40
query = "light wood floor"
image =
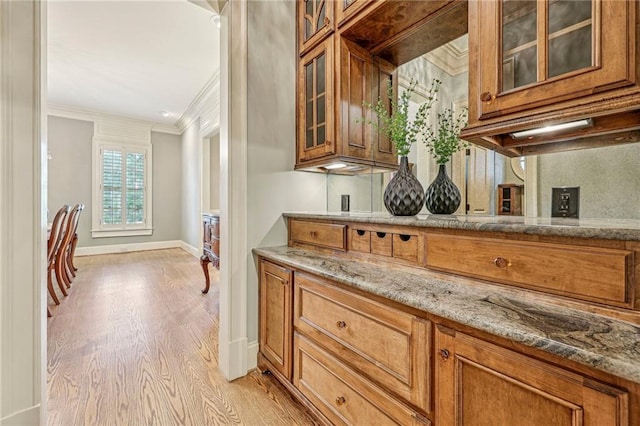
column 135, row 343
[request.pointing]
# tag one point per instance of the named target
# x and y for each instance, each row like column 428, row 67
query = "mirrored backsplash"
column 608, row 179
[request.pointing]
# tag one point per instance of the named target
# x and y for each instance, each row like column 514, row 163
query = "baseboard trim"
column 29, row 416
column 125, row 248
column 252, row 355
column 233, row 358
column 190, row 249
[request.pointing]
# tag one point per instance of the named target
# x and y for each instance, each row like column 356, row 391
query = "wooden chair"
column 71, row 267
column 63, row 276
column 53, row 244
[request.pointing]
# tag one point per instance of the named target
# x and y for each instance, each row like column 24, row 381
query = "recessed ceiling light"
column 579, row 124
column 165, row 113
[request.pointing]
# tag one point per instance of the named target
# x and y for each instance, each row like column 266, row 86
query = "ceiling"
column 130, row 58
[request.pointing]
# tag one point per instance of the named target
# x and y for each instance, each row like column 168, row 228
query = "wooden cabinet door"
column 478, row 383
column 384, row 73
column 315, row 103
column 275, row 316
column 356, row 71
column 534, row 52
column 315, row 22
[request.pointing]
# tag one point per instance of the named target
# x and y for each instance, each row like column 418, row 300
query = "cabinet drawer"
column 360, row 240
column 589, row 273
column 319, row 234
column 405, row 246
column 389, row 346
column 381, row 243
column 343, row 396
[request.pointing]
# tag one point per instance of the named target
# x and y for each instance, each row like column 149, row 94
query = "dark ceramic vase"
column 404, row 195
column 443, row 196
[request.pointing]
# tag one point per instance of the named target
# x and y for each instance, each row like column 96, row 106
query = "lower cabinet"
column 275, row 316
column 342, row 395
column 479, row 383
column 362, row 362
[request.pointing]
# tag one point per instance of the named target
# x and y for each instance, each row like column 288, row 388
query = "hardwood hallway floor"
column 135, row 343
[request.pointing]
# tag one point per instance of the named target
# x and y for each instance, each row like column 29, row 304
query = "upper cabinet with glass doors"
column 315, row 22
column 536, row 56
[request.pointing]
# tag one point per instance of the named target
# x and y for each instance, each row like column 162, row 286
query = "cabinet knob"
column 444, row 354
column 501, row 262
column 486, row 97
column 341, row 324
column 340, row 400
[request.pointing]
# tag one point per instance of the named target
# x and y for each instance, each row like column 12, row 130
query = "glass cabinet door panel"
column 315, row 12
column 519, row 43
column 570, row 42
column 315, row 119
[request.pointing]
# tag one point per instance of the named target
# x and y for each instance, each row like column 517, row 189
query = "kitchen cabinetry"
column 315, row 103
column 479, row 383
column 510, row 199
column 315, row 22
column 535, row 63
column 275, row 316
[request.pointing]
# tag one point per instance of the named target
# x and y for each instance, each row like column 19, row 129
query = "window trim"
column 99, row 230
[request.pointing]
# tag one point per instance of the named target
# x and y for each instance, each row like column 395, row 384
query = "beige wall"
column 70, row 180
column 608, row 178
column 191, row 186
column 23, row 299
column 272, row 185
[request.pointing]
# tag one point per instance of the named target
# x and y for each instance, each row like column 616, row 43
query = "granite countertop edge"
column 608, row 229
column 603, row 343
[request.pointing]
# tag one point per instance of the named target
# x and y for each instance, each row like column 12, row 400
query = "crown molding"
column 206, row 106
column 449, row 58
column 96, row 116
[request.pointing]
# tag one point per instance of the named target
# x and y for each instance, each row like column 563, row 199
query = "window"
column 122, row 190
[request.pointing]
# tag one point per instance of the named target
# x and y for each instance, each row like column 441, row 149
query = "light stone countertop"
column 608, row 229
column 606, row 344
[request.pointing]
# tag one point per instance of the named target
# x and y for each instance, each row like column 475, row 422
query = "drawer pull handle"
column 340, row 400
column 360, row 232
column 341, row 324
column 404, row 237
column 313, row 234
column 501, row 262
column 444, row 354
column 381, row 234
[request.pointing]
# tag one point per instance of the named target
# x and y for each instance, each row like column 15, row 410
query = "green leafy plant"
column 403, row 132
column 444, row 141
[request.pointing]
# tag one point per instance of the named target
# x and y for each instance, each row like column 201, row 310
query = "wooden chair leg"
column 52, row 293
column 69, row 261
column 59, row 275
column 74, row 243
column 67, row 272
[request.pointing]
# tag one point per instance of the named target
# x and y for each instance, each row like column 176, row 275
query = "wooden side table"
column 211, row 245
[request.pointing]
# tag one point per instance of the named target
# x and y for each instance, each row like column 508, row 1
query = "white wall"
column 214, row 172
column 70, row 142
column 22, row 214
column 191, row 186
column 272, row 185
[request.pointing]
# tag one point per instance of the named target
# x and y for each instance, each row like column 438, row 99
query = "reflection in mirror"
column 608, row 177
